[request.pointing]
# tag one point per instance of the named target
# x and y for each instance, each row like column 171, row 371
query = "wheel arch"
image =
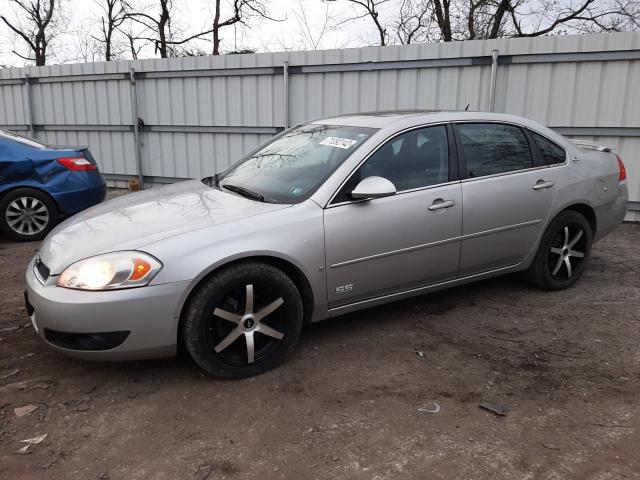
column 289, row 268
column 582, row 208
column 13, row 188
column 586, row 211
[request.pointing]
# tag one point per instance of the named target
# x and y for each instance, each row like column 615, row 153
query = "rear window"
column 491, row 148
column 4, row 134
column 552, row 154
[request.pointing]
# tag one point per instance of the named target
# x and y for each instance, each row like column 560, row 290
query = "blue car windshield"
column 291, row 167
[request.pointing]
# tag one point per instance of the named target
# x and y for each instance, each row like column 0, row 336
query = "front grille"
column 86, row 341
column 42, row 271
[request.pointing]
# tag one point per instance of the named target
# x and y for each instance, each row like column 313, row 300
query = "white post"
column 286, row 93
column 136, row 130
column 492, row 86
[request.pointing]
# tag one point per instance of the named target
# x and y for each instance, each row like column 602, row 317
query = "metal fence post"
column 492, row 86
column 286, row 93
column 136, row 127
column 27, row 85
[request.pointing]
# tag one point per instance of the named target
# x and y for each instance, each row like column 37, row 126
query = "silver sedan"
column 328, row 217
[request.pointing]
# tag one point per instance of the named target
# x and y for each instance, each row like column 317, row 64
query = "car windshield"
column 293, row 166
column 19, row 138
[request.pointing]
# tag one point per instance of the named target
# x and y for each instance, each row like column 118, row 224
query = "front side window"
column 552, row 154
column 293, row 166
column 415, row 159
column 491, row 148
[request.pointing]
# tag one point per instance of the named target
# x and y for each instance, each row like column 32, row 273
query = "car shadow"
column 431, row 304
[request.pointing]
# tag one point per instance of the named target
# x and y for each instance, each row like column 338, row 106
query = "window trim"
column 462, row 163
column 452, row 154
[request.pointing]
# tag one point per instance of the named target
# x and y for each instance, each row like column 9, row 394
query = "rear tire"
column 243, row 320
column 27, row 214
column 563, row 254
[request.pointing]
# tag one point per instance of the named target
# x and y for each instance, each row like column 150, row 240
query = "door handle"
column 439, row 204
column 542, row 184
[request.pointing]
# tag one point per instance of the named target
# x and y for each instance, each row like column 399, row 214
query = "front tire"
column 243, row 320
column 563, row 254
column 27, row 214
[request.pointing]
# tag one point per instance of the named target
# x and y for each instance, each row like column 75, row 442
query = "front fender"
column 293, row 235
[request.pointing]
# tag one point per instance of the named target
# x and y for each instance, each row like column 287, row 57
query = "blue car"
column 41, row 185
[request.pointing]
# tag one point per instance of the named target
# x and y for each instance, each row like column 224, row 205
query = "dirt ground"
column 355, row 399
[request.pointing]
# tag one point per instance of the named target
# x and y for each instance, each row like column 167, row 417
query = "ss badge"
column 344, row 288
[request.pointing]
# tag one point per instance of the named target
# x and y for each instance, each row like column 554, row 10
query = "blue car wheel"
column 27, row 214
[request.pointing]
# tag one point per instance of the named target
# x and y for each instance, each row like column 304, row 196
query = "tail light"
column 623, row 170
column 76, row 163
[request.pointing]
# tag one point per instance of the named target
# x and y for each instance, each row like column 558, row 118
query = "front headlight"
column 111, row 271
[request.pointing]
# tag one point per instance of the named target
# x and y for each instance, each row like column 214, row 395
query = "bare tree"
column 311, row 37
column 33, row 26
column 114, row 14
column 371, row 9
column 158, row 26
column 550, row 16
column 442, row 10
column 131, row 44
column 590, row 17
column 628, row 15
column 482, row 19
column 158, row 29
column 242, row 10
column 415, row 21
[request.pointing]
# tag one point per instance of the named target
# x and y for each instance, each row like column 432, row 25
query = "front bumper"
column 150, row 315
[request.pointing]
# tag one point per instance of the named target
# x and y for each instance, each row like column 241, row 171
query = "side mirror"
column 373, row 187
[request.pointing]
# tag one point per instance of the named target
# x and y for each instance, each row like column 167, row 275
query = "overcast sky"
column 192, row 16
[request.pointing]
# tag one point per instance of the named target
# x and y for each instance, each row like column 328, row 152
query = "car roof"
column 386, row 118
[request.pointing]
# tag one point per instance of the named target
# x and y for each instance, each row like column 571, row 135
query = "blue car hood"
column 132, row 221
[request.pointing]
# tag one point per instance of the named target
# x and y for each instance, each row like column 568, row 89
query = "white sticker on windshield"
column 338, row 142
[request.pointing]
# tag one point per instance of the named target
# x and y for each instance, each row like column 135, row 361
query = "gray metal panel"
column 84, row 128
column 194, row 155
column 13, row 105
column 210, row 129
column 79, row 103
column 113, row 151
column 12, row 81
column 15, row 128
column 599, row 131
column 217, row 101
column 199, row 114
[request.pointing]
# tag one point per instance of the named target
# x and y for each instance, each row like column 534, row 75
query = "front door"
column 387, row 245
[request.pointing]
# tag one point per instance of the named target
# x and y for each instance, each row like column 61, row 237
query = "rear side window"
column 552, row 154
column 491, row 148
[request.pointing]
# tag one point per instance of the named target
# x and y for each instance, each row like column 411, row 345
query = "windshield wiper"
column 245, row 192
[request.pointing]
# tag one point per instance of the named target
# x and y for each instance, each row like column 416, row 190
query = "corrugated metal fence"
column 188, row 117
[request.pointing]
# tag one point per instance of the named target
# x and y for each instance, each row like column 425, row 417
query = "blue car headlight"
column 111, row 271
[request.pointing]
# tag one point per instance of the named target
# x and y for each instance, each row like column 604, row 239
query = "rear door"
column 508, row 192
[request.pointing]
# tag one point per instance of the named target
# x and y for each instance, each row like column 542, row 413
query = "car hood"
column 132, row 221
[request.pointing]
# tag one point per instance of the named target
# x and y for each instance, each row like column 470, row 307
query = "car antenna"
column 467, row 107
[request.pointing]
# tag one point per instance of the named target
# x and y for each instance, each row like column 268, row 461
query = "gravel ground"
column 355, row 399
